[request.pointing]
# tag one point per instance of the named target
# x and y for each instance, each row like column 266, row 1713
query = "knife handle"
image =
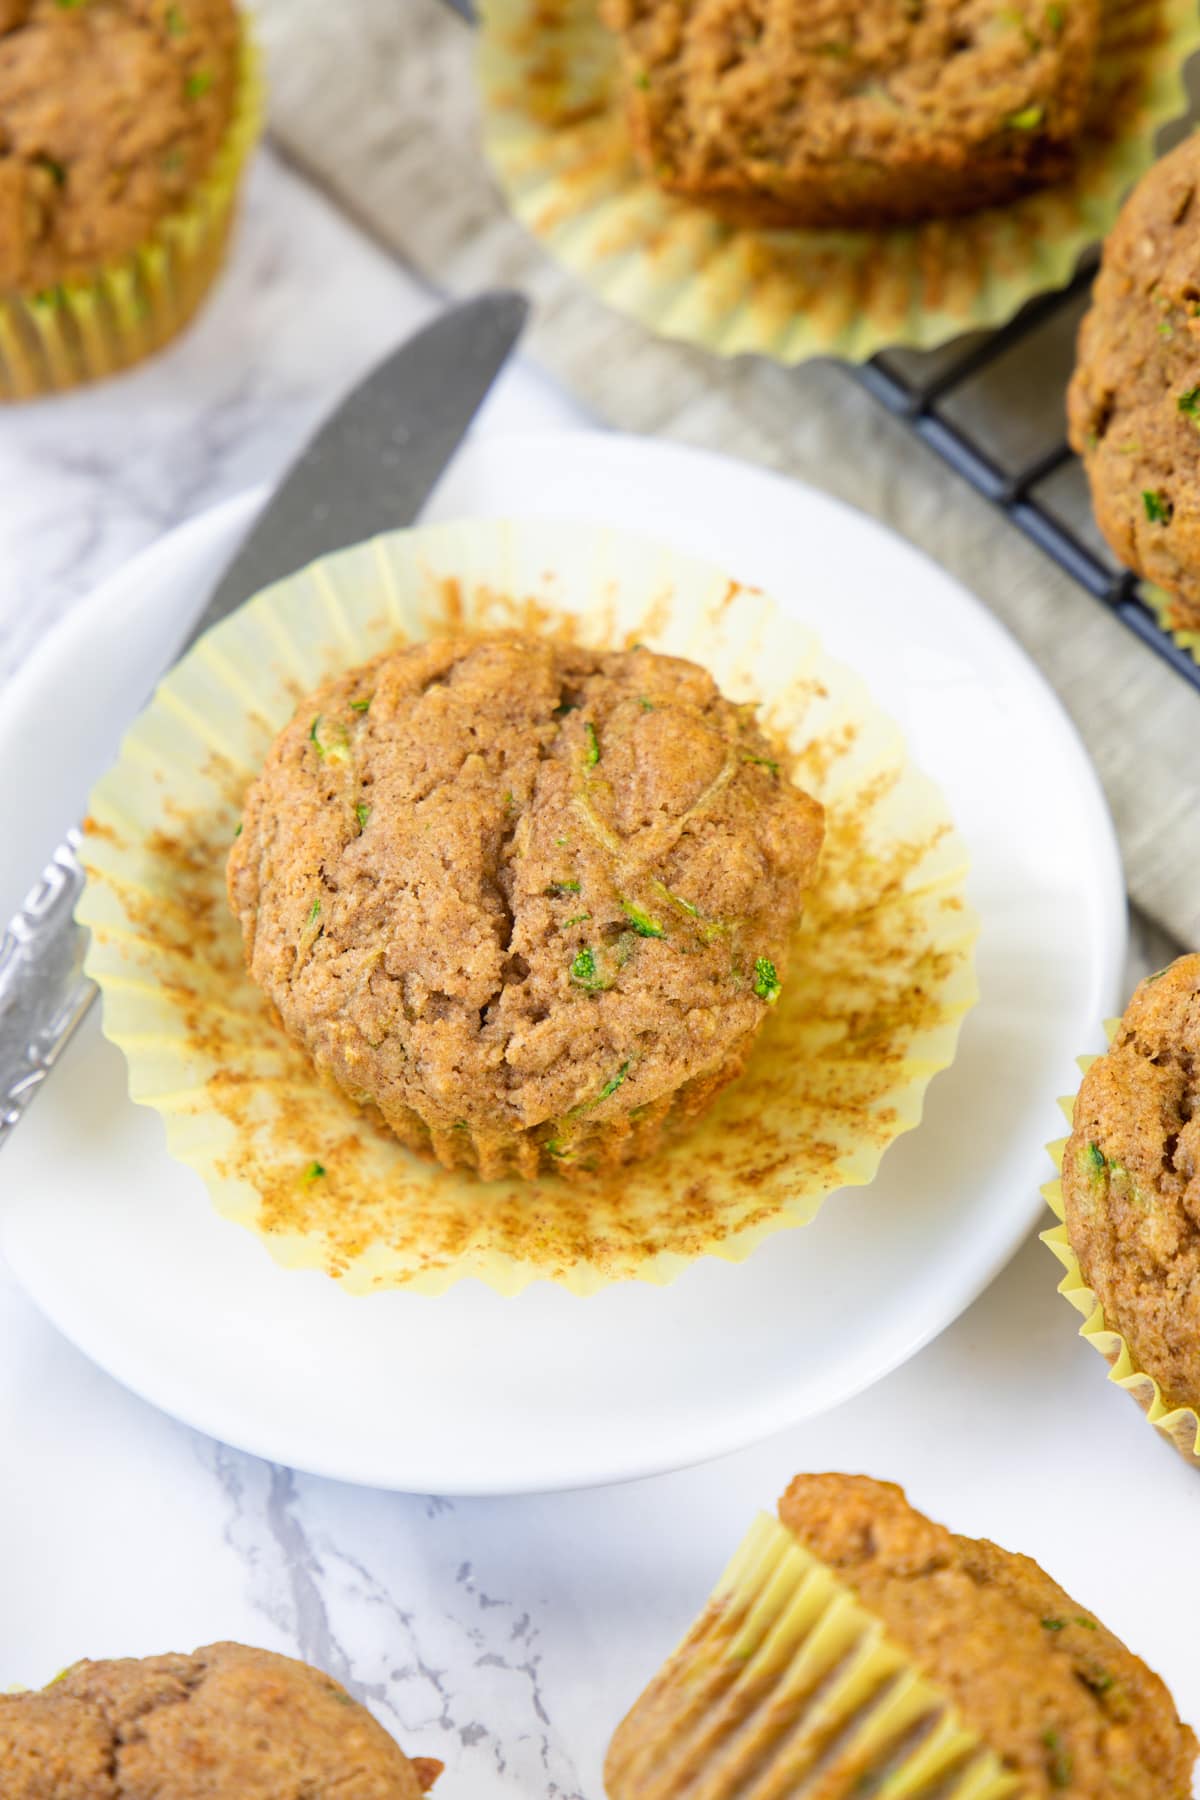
column 44, row 992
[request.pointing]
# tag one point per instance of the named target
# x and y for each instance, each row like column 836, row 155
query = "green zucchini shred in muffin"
column 1134, row 399
column 111, row 111
column 567, row 917
column 226, row 1720
column 855, row 1648
column 775, row 114
column 1131, row 1180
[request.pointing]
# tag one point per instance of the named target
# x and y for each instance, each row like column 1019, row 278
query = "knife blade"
column 369, row 467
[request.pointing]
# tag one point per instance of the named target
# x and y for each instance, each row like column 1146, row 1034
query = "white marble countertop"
column 504, row 1637
column 89, row 478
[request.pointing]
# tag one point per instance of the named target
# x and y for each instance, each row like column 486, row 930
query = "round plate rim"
column 704, row 1444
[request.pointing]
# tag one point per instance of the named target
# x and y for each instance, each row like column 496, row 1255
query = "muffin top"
column 110, row 111
column 1134, row 400
column 513, row 887
column 1058, row 1698
column 226, row 1720
column 936, row 93
column 1131, row 1179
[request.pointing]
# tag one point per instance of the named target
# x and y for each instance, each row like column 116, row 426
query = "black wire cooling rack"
column 992, row 405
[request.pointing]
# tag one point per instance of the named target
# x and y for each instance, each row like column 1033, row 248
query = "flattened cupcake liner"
column 880, row 978
column 1180, row 1425
column 787, row 1684
column 555, row 131
column 83, row 330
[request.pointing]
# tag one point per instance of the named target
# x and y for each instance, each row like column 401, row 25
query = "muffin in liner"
column 786, row 1684
column 556, row 133
column 1180, row 1425
column 82, row 330
column 880, row 977
column 1166, row 610
column 196, row 1725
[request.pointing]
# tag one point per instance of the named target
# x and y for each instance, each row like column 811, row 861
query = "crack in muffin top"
column 521, row 896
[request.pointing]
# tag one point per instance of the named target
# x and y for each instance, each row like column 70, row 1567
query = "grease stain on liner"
column 1180, row 1425
column 555, row 131
column 881, row 977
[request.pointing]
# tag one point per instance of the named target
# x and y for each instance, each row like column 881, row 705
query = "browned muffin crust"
column 1054, row 1694
column 525, row 899
column 824, row 114
column 1134, row 399
column 224, row 1721
column 1131, row 1179
column 110, row 112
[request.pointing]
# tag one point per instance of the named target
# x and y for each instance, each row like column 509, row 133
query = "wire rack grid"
column 992, row 406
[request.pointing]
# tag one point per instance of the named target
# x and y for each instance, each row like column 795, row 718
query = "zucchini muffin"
column 819, row 114
column 1134, row 401
column 529, row 902
column 223, row 1721
column 1131, row 1180
column 856, row 1637
column 112, row 114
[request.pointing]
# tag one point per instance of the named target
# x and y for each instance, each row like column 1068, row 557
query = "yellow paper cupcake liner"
column 1163, row 606
column 555, row 131
column 879, row 982
column 83, row 330
column 1180, row 1425
column 786, row 1684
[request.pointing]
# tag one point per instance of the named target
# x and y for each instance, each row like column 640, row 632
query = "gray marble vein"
column 505, row 1637
column 404, row 1613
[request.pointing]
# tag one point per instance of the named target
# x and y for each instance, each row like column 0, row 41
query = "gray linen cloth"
column 374, row 100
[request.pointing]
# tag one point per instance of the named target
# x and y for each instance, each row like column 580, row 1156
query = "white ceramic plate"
column 470, row 1393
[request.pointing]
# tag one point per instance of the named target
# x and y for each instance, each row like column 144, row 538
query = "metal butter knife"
column 369, row 468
